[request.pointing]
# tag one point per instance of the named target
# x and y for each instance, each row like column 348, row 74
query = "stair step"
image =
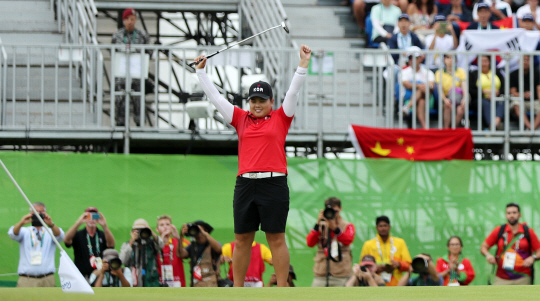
column 28, row 26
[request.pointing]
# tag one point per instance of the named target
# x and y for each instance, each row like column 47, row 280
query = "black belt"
column 36, row 276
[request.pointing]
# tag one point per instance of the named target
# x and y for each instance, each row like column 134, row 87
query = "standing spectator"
column 422, row 14
column 482, row 79
column 455, row 271
column 90, row 242
column 36, row 248
column 514, row 91
column 498, row 10
column 126, row 36
column 517, row 249
column 204, row 252
column 444, row 39
column 390, row 252
column 482, row 20
column 531, row 8
column 457, row 12
column 170, row 266
column 425, row 81
column 527, row 22
column 384, row 17
column 452, row 97
column 140, row 254
column 292, row 276
column 338, row 234
column 430, row 277
column 111, row 275
column 404, row 38
column 259, row 254
column 365, row 274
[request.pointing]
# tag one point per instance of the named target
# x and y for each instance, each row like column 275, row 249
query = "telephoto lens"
column 145, row 233
column 419, row 265
column 115, row 263
column 329, row 212
column 193, row 230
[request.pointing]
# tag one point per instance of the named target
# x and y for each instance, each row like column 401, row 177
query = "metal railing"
column 3, row 82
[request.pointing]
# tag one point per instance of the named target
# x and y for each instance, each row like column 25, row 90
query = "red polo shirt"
column 261, row 141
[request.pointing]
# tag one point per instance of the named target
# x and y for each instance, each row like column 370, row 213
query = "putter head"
column 285, row 27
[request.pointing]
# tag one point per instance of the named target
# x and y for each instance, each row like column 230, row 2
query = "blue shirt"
column 28, row 242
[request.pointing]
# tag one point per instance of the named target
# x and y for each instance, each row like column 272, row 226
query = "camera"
column 94, row 215
column 115, row 263
column 363, row 269
column 419, row 265
column 145, row 233
column 35, row 220
column 329, row 212
column 193, row 230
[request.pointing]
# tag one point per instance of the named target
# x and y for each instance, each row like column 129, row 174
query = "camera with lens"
column 420, row 265
column 363, row 269
column 115, row 263
column 145, row 233
column 329, row 213
column 193, row 230
column 35, row 220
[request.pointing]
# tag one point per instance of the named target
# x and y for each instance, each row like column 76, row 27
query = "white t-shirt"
column 526, row 9
column 499, row 4
column 442, row 44
column 422, row 76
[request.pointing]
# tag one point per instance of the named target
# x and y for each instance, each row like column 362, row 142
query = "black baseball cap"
column 528, row 17
column 481, row 5
column 260, row 89
column 404, row 16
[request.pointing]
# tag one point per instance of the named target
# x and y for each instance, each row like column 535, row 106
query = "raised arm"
column 222, row 105
column 289, row 103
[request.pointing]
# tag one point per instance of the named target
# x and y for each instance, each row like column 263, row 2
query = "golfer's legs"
column 242, row 256
column 280, row 257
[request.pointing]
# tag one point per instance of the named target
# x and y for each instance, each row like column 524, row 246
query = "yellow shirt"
column 393, row 246
column 266, row 255
column 486, row 81
column 447, row 79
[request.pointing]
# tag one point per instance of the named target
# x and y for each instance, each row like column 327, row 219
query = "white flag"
column 71, row 279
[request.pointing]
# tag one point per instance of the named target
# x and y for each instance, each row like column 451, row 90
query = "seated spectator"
column 259, row 254
column 362, row 8
column 422, row 14
column 443, row 5
column 498, row 10
column 425, row 81
column 457, row 12
column 486, row 75
column 531, row 8
column 455, row 271
column 292, row 276
column 527, row 22
column 482, row 21
column 365, row 274
column 111, row 274
column 514, row 91
column 404, row 38
column 384, row 17
column 444, row 39
column 452, row 97
column 426, row 277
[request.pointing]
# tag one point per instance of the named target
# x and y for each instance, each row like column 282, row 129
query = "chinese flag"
column 416, row 145
column 505, row 23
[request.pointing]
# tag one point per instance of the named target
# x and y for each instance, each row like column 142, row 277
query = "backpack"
column 527, row 236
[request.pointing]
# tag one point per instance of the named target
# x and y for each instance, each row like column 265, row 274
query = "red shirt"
column 256, row 265
column 261, row 141
column 346, row 237
column 465, row 268
column 523, row 251
column 178, row 265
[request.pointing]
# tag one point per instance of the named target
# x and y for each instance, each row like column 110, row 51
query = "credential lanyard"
column 133, row 37
column 40, row 238
column 171, row 248
column 90, row 245
column 392, row 249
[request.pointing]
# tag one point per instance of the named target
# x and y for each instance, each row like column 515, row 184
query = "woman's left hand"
column 305, row 56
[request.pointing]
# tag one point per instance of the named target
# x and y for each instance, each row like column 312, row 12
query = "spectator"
column 482, row 20
column 390, row 252
column 425, row 81
column 527, row 22
column 111, row 275
column 404, row 38
column 365, row 274
column 517, row 249
column 89, row 243
column 384, row 17
column 498, row 10
column 457, row 12
column 140, row 254
column 170, row 266
column 292, row 276
column 484, row 82
column 333, row 237
column 452, row 97
column 514, row 91
column 128, row 35
column 36, row 249
column 259, row 254
column 422, row 14
column 444, row 39
column 455, row 271
column 204, row 253
column 362, row 8
column 429, row 277
column 532, row 9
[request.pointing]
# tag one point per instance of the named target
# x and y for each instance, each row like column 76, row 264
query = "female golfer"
column 261, row 195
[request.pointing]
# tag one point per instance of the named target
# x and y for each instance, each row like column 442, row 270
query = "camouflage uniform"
column 122, row 36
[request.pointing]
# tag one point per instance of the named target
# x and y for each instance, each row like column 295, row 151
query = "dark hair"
column 332, row 201
column 426, row 254
column 459, row 238
column 430, row 6
column 513, row 205
column 382, row 218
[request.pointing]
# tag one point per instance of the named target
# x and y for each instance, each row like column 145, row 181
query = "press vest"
column 337, row 269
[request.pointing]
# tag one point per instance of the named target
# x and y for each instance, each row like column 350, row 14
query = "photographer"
column 365, row 274
column 170, row 266
column 292, row 276
column 111, row 274
column 427, row 274
column 140, row 254
column 332, row 235
column 204, row 252
column 90, row 242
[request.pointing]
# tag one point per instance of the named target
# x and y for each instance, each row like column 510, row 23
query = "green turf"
column 299, row 293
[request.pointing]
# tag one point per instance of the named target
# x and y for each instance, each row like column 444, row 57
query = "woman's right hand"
column 202, row 62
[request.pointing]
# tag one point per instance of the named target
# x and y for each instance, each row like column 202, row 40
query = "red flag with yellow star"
column 417, row 145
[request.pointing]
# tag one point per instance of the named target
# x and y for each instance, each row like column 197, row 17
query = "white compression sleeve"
column 289, row 103
column 222, row 105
